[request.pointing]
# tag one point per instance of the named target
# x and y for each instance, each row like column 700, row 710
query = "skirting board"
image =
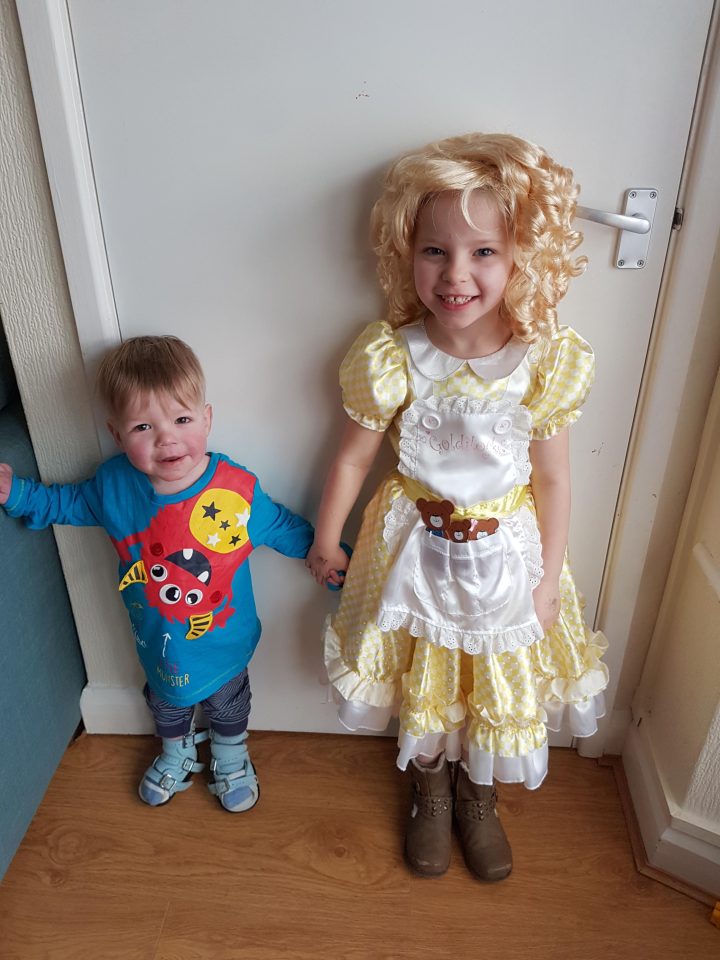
column 123, row 710
column 115, row 710
column 672, row 852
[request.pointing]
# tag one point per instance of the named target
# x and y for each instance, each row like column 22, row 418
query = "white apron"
column 464, row 567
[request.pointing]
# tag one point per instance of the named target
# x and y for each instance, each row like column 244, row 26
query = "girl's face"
column 165, row 439
column 461, row 271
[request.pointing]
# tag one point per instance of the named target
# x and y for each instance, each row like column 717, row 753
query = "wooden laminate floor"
column 316, row 869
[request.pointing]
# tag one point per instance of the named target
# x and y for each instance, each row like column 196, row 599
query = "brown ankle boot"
column 485, row 846
column 429, row 825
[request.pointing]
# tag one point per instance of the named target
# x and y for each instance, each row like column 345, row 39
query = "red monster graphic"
column 191, row 551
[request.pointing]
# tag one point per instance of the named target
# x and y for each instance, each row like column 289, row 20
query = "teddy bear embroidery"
column 437, row 517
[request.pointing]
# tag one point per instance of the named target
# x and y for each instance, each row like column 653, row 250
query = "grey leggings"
column 227, row 709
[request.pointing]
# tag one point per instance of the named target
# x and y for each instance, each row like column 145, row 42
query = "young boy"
column 184, row 522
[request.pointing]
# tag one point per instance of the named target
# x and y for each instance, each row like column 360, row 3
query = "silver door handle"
column 635, row 224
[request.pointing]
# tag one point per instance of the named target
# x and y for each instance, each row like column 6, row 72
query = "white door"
column 237, row 149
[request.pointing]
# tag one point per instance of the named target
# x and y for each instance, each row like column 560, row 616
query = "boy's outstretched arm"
column 276, row 526
column 6, row 476
column 77, row 504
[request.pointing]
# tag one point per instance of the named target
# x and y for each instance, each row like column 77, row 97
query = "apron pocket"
column 431, row 577
column 470, row 578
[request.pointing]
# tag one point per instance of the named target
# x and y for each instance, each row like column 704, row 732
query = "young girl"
column 458, row 610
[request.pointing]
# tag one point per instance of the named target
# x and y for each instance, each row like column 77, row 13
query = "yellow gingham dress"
column 492, row 709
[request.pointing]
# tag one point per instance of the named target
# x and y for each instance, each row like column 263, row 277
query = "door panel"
column 237, row 150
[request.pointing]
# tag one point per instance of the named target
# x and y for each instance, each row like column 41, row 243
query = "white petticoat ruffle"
column 580, row 717
column 577, row 703
column 483, row 767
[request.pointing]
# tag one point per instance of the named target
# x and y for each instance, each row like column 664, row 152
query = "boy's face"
column 164, row 438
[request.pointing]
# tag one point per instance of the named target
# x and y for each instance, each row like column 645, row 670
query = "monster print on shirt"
column 191, row 551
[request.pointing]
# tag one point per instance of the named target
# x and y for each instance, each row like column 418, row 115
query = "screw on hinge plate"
column 678, row 218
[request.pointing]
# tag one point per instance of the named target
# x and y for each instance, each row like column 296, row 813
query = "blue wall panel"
column 41, row 667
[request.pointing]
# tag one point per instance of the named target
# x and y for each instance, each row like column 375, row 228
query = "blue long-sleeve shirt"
column 183, row 570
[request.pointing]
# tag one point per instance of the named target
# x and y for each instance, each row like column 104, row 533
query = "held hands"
column 6, row 476
column 327, row 565
column 546, row 597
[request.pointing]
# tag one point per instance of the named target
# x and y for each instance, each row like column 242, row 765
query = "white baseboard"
column 619, row 723
column 123, row 710
column 115, row 710
column 674, row 843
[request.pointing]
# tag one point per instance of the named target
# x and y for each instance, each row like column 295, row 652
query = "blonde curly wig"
column 536, row 196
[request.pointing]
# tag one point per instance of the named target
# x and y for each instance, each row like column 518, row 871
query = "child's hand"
column 546, row 597
column 6, row 476
column 326, row 565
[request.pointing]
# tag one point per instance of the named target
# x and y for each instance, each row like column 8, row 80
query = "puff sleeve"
column 566, row 370
column 373, row 377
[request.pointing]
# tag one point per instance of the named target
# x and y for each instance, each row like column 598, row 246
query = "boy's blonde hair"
column 536, row 196
column 142, row 365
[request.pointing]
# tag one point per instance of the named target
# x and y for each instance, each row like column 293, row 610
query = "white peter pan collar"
column 436, row 365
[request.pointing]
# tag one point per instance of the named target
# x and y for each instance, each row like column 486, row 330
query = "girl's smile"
column 456, row 303
column 461, row 270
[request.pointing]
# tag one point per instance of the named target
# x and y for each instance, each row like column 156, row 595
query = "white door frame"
column 660, row 457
